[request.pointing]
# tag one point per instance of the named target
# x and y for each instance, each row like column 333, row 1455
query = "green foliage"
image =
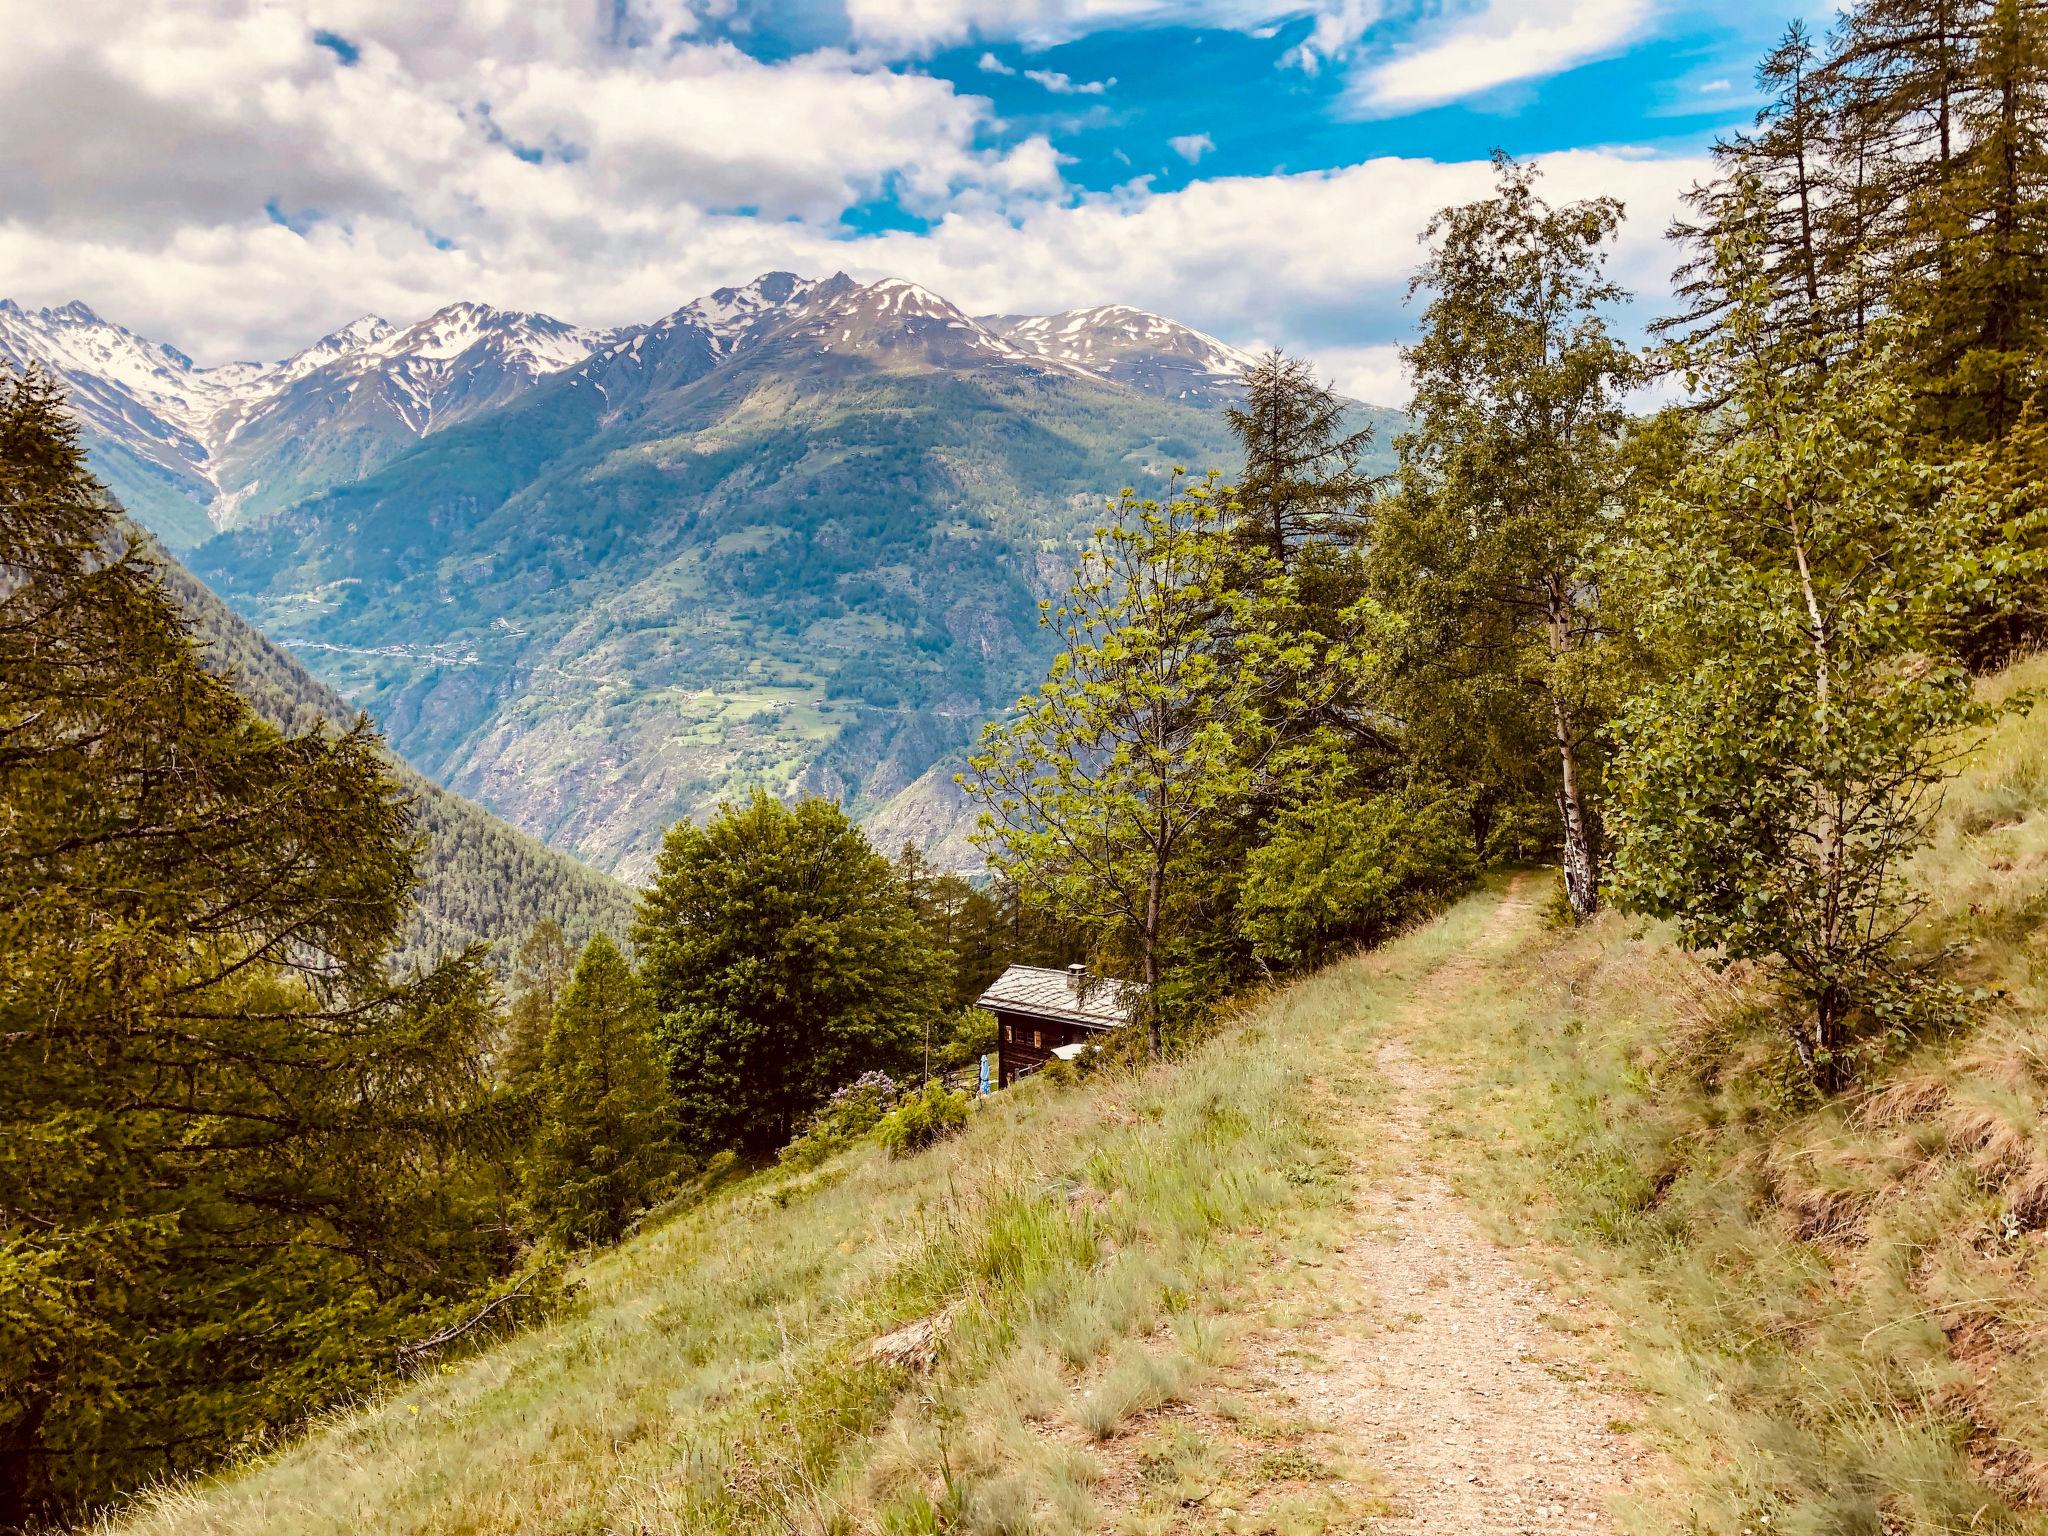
column 784, row 959
column 1178, row 696
column 972, row 1037
column 931, row 1114
column 544, row 965
column 1302, row 479
column 847, row 1116
column 605, row 1148
column 1336, row 872
column 1770, row 789
column 245, row 1167
column 1505, row 479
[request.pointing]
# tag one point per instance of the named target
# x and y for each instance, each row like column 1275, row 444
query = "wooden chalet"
column 1041, row 1013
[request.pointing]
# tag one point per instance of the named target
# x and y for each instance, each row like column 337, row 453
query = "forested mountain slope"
column 1144, row 1309
column 795, row 539
column 480, row 879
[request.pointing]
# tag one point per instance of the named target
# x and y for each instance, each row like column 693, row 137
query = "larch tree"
column 1504, row 481
column 240, row 1158
column 1301, row 479
column 605, row 1148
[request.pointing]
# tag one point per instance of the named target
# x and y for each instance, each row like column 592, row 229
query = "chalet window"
column 1037, row 1038
column 1006, row 1033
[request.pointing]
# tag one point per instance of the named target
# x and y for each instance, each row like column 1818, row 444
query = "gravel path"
column 1483, row 1416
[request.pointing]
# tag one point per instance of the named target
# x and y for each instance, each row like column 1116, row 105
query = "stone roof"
column 1096, row 1001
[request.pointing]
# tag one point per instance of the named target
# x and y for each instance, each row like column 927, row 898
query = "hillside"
column 791, row 535
column 480, row 879
column 1245, row 1292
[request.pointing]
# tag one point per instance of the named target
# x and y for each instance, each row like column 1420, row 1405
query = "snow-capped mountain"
column 1132, row 346
column 192, row 449
column 244, row 437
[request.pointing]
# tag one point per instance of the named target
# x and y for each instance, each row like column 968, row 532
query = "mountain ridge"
column 195, row 450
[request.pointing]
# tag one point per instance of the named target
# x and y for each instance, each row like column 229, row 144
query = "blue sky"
column 239, row 176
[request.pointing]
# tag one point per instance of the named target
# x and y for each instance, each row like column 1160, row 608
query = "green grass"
column 1840, row 1311
column 1837, row 1314
column 1090, row 1252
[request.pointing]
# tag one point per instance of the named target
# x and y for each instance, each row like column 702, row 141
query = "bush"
column 847, row 1116
column 929, row 1115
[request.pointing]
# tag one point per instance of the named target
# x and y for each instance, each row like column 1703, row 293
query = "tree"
column 1169, row 707
column 1504, row 481
column 784, row 960
column 1800, row 576
column 239, row 1159
column 1338, row 871
column 544, row 964
column 1301, row 479
column 606, row 1146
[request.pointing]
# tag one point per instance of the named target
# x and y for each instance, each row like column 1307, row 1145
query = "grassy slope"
column 1837, row 1313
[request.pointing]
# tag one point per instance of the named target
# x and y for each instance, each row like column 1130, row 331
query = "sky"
column 238, row 177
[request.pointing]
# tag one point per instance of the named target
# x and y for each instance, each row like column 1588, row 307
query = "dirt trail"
column 1483, row 1414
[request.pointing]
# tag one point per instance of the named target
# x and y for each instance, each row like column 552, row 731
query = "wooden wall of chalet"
column 1025, row 1042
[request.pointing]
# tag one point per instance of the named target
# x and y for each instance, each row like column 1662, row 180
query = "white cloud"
column 915, row 25
column 991, row 65
column 1373, row 373
column 1191, row 146
column 1501, row 42
column 1066, row 85
column 1711, row 87
column 165, row 127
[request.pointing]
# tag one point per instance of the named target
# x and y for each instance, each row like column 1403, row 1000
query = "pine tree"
column 606, row 1145
column 238, row 1158
column 545, row 962
column 1301, row 479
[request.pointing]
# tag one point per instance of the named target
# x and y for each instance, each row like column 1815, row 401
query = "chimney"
column 1076, row 975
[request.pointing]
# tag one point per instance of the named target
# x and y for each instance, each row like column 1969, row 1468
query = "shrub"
column 847, row 1116
column 929, row 1115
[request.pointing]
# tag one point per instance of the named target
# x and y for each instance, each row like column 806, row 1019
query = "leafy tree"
column 1167, row 709
column 1505, row 479
column 784, row 960
column 605, row 1149
column 1768, row 791
column 240, row 1161
column 1301, row 478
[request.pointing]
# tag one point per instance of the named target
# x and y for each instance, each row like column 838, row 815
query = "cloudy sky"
column 240, row 176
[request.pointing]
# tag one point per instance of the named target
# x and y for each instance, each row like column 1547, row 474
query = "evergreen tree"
column 605, row 1148
column 239, row 1159
column 1504, row 481
column 1301, row 479
column 544, row 964
column 784, row 960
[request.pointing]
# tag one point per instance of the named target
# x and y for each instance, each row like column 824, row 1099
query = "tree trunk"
column 1153, row 1037
column 1581, row 870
